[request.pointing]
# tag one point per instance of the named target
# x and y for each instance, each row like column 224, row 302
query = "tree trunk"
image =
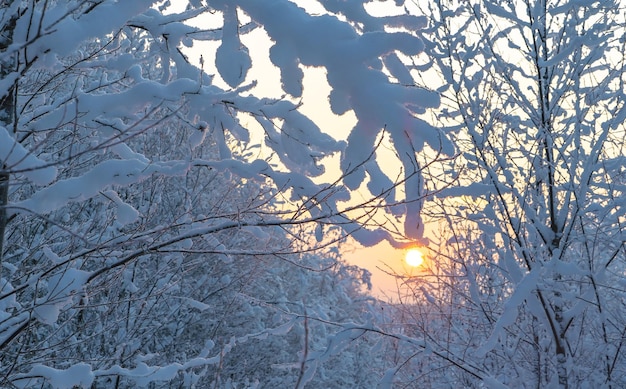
column 7, row 114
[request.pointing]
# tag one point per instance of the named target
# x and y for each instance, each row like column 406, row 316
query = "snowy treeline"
column 147, row 238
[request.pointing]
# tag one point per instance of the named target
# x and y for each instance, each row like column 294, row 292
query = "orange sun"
column 414, row 257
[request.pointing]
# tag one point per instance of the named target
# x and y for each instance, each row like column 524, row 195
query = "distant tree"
column 143, row 236
column 526, row 286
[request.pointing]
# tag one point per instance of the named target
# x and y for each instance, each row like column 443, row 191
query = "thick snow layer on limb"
column 232, row 58
column 62, row 31
column 100, row 177
column 17, row 159
column 62, row 287
column 78, row 375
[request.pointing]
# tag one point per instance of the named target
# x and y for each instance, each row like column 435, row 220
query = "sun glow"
column 414, row 257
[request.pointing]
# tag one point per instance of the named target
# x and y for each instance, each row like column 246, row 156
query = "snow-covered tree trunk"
column 545, row 177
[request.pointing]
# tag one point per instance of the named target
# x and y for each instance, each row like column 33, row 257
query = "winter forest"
column 172, row 215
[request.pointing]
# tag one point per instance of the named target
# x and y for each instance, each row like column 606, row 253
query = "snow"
column 523, row 291
column 197, row 138
column 197, row 304
column 126, row 214
column 51, row 255
column 493, row 383
column 231, row 58
column 369, row 238
column 77, row 375
column 9, row 301
column 62, row 287
column 132, row 102
column 100, row 177
column 474, row 190
column 18, row 159
column 63, row 33
column 413, row 224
